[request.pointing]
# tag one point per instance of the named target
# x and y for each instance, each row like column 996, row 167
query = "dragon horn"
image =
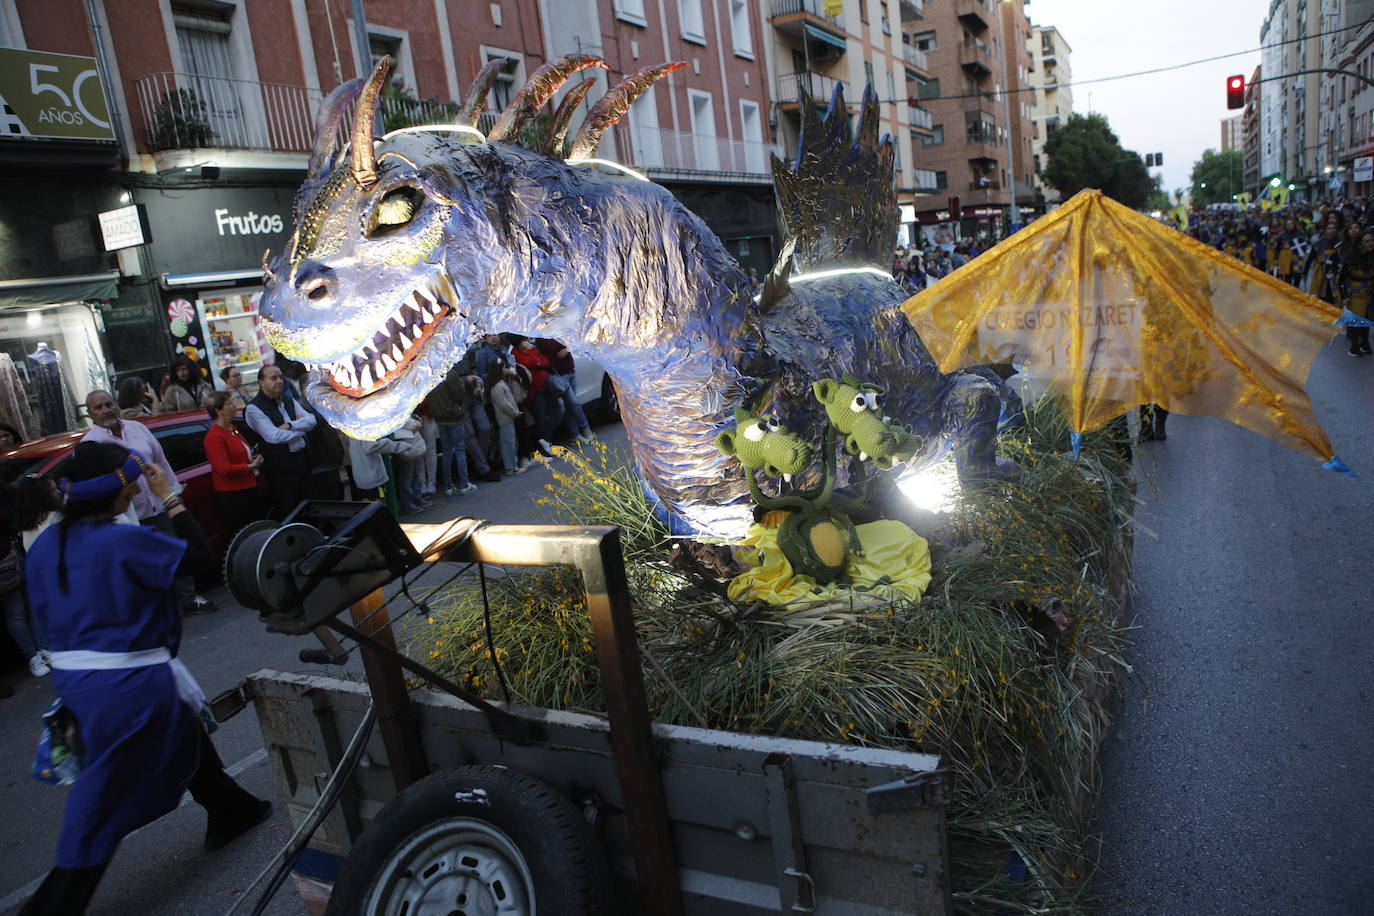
column 326, row 141
column 364, row 159
column 611, row 106
column 538, row 89
column 476, row 98
column 558, row 127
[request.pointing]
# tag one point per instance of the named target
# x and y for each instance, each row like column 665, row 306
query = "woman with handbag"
column 105, row 595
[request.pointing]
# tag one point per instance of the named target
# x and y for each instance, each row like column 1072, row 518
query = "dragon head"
column 762, row 443
column 403, row 251
column 852, row 408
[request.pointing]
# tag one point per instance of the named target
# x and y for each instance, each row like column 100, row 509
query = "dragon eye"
column 396, row 209
column 871, row 398
column 773, row 423
column 860, row 403
column 755, row 432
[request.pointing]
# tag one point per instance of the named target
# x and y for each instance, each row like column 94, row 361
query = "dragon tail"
column 838, row 201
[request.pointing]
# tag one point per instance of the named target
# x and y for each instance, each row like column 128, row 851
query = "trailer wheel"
column 475, row 841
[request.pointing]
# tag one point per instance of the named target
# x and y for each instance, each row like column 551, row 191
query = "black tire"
column 609, row 407
column 498, row 833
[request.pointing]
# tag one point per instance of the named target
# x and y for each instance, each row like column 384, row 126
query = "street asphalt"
column 1236, row 781
column 1238, row 778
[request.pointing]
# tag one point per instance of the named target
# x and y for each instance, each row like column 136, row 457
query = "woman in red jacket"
column 538, row 400
column 233, row 465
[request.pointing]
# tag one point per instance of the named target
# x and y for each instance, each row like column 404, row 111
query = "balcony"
column 804, row 19
column 912, row 10
column 676, row 153
column 924, row 182
column 973, row 14
column 918, row 118
column 183, row 111
column 985, row 184
column 820, row 88
column 976, row 58
column 915, row 60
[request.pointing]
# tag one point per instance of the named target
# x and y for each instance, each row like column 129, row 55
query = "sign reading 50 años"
column 52, row 95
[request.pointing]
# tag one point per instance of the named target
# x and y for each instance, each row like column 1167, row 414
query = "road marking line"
column 18, row 896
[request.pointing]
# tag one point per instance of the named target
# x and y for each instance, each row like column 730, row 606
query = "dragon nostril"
column 317, row 290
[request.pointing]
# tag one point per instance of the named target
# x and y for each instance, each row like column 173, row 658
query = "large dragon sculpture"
column 407, row 248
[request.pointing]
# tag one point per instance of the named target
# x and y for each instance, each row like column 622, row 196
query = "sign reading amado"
column 56, row 96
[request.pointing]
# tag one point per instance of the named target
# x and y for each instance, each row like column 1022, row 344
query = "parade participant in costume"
column 187, row 390
column 233, row 465
column 109, row 426
column 1357, row 290
column 282, row 425
column 1324, row 263
column 105, row 596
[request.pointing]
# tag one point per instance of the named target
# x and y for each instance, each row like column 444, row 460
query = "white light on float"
column 609, row 164
column 936, row 489
column 428, row 128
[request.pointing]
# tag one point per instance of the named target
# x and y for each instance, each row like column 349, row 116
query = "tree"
column 1085, row 153
column 1217, row 177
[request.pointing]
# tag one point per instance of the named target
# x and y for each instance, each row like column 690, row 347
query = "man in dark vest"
column 282, row 425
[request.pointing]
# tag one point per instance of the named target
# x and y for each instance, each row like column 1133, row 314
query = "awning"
column 47, row 290
column 822, row 35
column 211, row 279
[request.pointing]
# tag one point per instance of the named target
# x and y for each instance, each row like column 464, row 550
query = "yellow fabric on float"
column 1110, row 309
column 895, row 564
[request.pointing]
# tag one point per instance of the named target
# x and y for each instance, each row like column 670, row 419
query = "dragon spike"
column 326, row 141
column 476, row 99
column 558, row 127
column 613, row 105
column 538, row 89
column 363, row 158
column 868, row 120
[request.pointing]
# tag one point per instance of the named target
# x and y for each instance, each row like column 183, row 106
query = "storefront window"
column 51, row 357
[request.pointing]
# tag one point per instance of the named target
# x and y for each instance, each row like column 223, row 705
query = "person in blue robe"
column 105, row 595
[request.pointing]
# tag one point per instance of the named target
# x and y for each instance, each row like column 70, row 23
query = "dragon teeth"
column 405, row 341
column 365, row 377
column 387, row 362
column 397, row 352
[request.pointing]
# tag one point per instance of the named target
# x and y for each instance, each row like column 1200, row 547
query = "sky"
column 1177, row 113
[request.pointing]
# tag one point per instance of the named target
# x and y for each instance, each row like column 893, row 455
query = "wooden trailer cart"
column 457, row 805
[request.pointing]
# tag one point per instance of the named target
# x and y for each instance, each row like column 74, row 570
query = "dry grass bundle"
column 976, row 671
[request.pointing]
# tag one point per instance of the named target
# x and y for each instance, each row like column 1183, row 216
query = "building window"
column 937, row 136
column 925, row 41
column 644, row 131
column 739, row 29
column 930, row 89
column 704, row 131
column 755, row 155
column 208, row 90
column 693, row 25
column 980, row 127
column 631, row 11
column 941, row 181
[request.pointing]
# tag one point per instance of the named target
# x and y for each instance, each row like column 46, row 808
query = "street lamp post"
column 1014, row 212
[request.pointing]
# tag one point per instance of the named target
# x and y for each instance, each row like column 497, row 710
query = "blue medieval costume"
column 104, row 593
column 140, row 739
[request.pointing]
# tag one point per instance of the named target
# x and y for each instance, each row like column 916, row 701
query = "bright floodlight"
column 934, row 489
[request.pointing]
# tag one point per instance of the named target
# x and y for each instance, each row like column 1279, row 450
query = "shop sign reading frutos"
column 52, row 95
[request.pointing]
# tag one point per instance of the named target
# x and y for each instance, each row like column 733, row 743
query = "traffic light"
column 1149, row 160
column 1235, row 92
column 1159, row 159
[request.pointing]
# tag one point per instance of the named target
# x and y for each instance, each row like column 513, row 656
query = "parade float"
column 782, row 578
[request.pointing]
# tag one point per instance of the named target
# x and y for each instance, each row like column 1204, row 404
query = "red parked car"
column 182, row 436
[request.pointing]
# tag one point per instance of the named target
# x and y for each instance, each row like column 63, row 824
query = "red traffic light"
column 1235, row 92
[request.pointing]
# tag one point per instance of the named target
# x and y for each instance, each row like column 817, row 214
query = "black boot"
column 65, row 892
column 233, row 810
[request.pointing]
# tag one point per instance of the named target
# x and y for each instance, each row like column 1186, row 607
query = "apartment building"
column 706, row 132
column 981, row 135
column 814, row 46
column 1051, row 100
column 208, row 111
column 1232, row 133
column 1250, row 133
column 1290, row 101
column 1346, row 144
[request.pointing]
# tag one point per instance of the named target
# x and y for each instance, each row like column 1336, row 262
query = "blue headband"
column 104, row 485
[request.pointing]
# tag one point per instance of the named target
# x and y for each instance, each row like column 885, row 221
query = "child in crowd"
column 508, row 414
